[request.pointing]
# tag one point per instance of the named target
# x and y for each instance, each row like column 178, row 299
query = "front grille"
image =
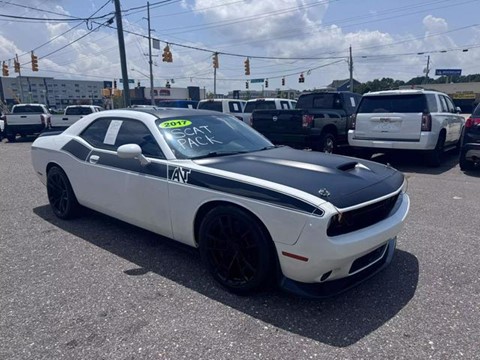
column 361, row 218
column 368, row 259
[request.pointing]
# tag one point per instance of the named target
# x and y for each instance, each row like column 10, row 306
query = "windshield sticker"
column 112, row 132
column 171, row 124
column 195, row 136
column 352, row 101
column 180, row 175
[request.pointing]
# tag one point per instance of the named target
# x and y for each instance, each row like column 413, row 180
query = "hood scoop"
column 352, row 165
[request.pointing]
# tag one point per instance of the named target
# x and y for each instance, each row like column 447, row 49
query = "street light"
column 152, row 98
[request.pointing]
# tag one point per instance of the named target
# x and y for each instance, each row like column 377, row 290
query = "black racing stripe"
column 208, row 181
column 238, row 188
column 78, row 150
column 112, row 160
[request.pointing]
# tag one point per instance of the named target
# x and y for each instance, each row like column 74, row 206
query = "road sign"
column 448, row 72
column 257, row 81
column 130, row 81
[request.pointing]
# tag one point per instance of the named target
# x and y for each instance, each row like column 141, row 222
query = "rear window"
column 259, row 105
column 28, row 109
column 476, row 112
column 393, row 104
column 320, row 101
column 210, row 105
column 78, row 111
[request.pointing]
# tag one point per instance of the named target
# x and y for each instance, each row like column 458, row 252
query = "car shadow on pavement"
column 409, row 161
column 338, row 321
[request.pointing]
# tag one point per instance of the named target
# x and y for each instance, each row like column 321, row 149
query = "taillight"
column 426, row 122
column 42, row 120
column 472, row 122
column 250, row 120
column 307, row 121
column 352, row 122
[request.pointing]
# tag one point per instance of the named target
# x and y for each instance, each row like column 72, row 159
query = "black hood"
column 340, row 180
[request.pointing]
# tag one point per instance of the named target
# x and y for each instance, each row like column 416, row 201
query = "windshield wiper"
column 218, row 153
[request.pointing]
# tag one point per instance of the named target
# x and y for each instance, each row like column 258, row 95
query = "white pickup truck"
column 25, row 119
column 266, row 104
column 71, row 114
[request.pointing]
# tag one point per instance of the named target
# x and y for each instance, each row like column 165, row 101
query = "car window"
column 78, row 110
column 443, row 104
column 235, row 107
column 324, row 101
column 432, row 103
column 28, row 109
column 259, row 105
column 450, row 106
column 285, row 105
column 201, row 135
column 210, row 105
column 411, row 103
column 109, row 134
column 476, row 111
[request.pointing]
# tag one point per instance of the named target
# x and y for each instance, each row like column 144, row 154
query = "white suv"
column 229, row 106
column 407, row 119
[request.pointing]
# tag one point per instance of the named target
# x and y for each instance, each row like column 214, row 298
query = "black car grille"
column 361, row 218
column 368, row 259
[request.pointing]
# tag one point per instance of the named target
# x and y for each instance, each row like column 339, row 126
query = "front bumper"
column 336, row 287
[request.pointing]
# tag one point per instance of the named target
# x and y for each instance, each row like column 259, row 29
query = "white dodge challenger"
column 314, row 223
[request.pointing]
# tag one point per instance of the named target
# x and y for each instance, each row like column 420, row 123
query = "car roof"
column 402, row 92
column 163, row 113
column 269, row 99
column 213, row 100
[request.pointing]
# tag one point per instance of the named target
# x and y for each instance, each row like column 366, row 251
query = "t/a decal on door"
column 180, row 175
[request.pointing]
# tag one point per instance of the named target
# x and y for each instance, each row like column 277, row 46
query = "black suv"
column 470, row 150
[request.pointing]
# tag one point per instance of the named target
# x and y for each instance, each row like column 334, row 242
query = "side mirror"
column 132, row 151
column 458, row 109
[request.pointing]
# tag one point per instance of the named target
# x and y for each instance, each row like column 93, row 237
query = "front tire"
column 236, row 249
column 60, row 194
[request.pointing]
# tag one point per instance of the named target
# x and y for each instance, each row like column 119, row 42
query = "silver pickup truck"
column 25, row 119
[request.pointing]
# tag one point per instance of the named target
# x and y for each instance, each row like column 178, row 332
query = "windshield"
column 210, row 135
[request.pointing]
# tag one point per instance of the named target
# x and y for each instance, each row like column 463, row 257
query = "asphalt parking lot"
column 97, row 288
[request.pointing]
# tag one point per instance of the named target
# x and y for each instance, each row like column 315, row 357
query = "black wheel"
column 327, row 143
column 236, row 250
column 465, row 165
column 435, row 156
column 11, row 138
column 60, row 194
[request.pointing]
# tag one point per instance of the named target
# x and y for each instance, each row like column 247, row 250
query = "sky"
column 77, row 39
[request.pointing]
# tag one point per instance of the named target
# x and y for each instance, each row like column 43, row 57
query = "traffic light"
column 266, row 83
column 283, row 81
column 114, row 84
column 301, row 79
column 247, row 66
column 5, row 69
column 246, row 84
column 167, row 85
column 34, row 62
column 16, row 66
column 215, row 61
column 167, row 54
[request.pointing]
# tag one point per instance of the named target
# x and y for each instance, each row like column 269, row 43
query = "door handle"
column 93, row 159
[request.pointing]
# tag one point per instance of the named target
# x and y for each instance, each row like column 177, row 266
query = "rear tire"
column 236, row 249
column 62, row 199
column 11, row 138
column 327, row 144
column 435, row 156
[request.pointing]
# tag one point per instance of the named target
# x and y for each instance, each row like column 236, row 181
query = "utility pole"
column 150, row 62
column 350, row 68
column 427, row 70
column 123, row 59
